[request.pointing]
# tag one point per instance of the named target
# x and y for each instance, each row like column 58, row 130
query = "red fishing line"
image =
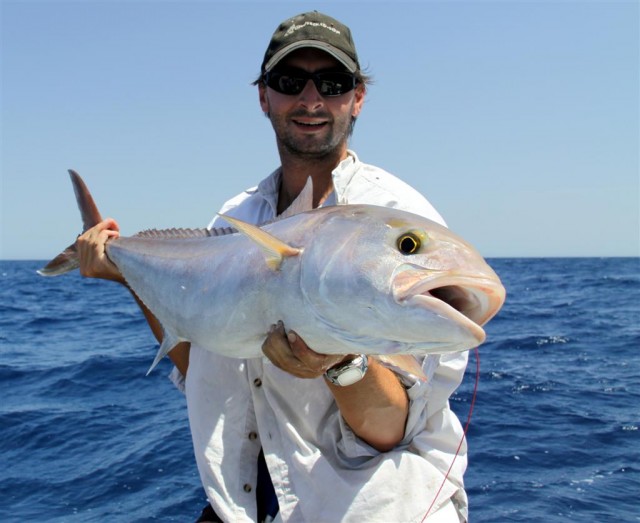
column 464, row 434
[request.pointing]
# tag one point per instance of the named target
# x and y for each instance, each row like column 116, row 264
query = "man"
column 298, row 435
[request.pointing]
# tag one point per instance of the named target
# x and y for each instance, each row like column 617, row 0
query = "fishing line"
column 464, row 433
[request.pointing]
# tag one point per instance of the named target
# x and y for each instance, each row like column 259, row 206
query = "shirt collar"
column 343, row 174
column 269, row 188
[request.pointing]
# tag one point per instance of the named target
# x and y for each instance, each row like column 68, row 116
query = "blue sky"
column 518, row 120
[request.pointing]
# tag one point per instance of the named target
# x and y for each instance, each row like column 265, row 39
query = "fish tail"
column 68, row 259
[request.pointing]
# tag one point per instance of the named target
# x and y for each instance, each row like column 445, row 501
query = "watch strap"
column 349, row 372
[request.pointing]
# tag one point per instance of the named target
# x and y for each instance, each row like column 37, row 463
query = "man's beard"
column 311, row 146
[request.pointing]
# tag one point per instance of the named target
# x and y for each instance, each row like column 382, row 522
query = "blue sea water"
column 554, row 436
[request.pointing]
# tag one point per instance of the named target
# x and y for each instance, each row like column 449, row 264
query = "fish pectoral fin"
column 274, row 249
column 169, row 341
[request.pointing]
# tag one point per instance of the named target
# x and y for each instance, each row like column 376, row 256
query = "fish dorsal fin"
column 302, row 203
column 183, row 234
column 274, row 249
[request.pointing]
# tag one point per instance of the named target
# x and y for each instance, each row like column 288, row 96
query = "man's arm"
column 376, row 407
column 94, row 263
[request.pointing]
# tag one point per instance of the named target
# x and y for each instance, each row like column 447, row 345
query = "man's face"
column 308, row 124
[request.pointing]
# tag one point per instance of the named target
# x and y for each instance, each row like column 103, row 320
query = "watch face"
column 349, row 376
column 348, row 373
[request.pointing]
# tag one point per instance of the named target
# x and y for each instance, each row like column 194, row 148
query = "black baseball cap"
column 315, row 30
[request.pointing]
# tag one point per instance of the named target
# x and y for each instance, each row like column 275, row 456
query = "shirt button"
column 253, row 436
column 247, row 487
column 257, row 382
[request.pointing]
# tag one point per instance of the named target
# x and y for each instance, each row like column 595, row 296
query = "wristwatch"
column 348, row 372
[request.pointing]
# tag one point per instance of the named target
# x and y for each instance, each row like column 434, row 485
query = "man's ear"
column 264, row 101
column 360, row 92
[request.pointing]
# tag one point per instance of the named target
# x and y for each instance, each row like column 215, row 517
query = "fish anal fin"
column 169, row 341
column 274, row 249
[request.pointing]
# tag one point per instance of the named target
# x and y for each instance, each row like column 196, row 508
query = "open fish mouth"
column 468, row 300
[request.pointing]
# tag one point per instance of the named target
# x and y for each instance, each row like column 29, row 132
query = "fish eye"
column 409, row 243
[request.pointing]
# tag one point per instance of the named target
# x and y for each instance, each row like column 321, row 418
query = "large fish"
column 348, row 279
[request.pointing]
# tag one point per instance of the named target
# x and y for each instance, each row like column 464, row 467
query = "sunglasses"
column 293, row 81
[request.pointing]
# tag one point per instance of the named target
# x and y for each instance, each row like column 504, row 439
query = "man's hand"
column 94, row 262
column 290, row 353
column 376, row 407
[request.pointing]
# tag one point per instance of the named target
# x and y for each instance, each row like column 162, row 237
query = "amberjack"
column 348, row 279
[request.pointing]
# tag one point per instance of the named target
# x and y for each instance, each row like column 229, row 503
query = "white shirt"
column 321, row 471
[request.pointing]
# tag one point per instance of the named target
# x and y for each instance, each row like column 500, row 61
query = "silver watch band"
column 349, row 372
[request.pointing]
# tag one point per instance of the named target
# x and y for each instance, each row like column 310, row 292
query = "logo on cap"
column 295, row 27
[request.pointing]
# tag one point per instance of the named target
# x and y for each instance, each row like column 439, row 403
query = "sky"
column 518, row 120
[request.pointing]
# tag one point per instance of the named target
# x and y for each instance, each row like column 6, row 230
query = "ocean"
column 554, row 434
